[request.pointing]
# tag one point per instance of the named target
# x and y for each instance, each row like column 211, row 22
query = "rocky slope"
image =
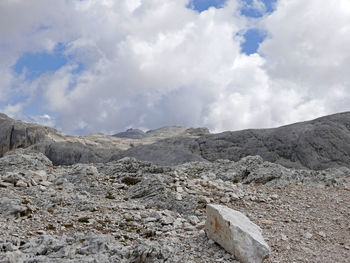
column 317, row 144
column 103, row 206
column 133, row 211
column 63, row 149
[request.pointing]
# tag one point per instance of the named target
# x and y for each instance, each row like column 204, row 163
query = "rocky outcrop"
column 236, row 233
column 133, row 211
column 17, row 134
column 317, row 144
column 131, row 134
column 170, row 151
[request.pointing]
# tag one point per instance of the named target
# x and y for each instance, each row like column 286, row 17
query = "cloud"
column 308, row 51
column 150, row 63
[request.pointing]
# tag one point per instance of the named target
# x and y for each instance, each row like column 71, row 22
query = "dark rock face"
column 165, row 152
column 316, row 144
column 132, row 134
column 16, row 134
column 68, row 153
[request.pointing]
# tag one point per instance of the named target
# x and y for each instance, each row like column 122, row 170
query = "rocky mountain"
column 130, row 211
column 317, row 144
column 200, row 197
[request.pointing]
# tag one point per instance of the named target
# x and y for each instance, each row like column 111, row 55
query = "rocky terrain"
column 82, row 199
column 133, row 211
column 318, row 144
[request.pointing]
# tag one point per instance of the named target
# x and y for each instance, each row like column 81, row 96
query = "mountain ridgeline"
column 317, row 144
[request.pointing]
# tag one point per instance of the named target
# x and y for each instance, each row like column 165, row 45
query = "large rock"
column 11, row 206
column 155, row 193
column 17, row 134
column 318, row 144
column 236, row 234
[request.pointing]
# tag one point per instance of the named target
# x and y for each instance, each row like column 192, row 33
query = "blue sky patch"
column 35, row 64
column 251, row 12
column 202, row 5
column 253, row 38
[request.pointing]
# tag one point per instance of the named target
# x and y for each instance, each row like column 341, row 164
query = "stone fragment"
column 167, row 220
column 322, row 234
column 21, row 183
column 267, row 222
column 45, row 183
column 10, row 207
column 308, row 235
column 5, row 185
column 193, row 220
column 236, row 234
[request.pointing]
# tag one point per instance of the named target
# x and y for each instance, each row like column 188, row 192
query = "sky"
column 86, row 66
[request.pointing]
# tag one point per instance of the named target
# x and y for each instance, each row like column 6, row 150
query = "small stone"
column 33, row 182
column 322, row 234
column 193, row 220
column 45, row 183
column 284, row 237
column 225, row 200
column 178, row 197
column 177, row 223
column 234, row 197
column 211, row 242
column 201, row 225
column 202, row 233
column 167, row 220
column 179, row 189
column 267, row 222
column 308, row 235
column 274, row 196
column 5, row 185
column 188, row 227
column 21, row 183
column 151, row 219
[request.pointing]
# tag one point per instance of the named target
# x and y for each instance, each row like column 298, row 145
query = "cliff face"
column 17, row 134
column 317, row 144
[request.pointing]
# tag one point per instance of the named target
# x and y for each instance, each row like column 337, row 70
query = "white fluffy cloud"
column 150, row 63
column 307, row 53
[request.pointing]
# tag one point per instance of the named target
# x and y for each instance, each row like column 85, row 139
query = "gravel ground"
column 131, row 211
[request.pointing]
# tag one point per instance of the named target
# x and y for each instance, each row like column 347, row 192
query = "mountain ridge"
column 316, row 144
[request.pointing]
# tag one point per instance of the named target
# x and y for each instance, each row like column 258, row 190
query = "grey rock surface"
column 170, row 151
column 318, row 144
column 132, row 134
column 134, row 211
column 17, row 134
column 236, row 233
column 11, row 206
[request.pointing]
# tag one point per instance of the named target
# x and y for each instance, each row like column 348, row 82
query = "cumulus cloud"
column 150, row 63
column 308, row 52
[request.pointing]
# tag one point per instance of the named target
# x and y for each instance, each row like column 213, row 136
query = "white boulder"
column 236, row 234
